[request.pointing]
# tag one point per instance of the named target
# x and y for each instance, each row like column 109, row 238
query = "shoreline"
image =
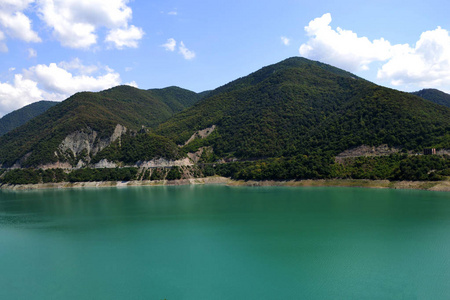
column 443, row 186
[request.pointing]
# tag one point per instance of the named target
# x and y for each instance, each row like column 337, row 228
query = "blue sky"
column 50, row 49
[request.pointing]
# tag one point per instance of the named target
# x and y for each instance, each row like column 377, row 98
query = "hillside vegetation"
column 36, row 142
column 285, row 121
column 21, row 116
column 435, row 96
column 303, row 107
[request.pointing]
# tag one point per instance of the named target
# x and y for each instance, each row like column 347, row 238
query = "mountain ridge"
column 296, row 110
column 434, row 95
column 37, row 141
column 22, row 115
column 292, row 105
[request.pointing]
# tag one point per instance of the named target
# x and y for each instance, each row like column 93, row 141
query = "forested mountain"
column 435, row 96
column 294, row 116
column 95, row 117
column 302, row 107
column 21, row 116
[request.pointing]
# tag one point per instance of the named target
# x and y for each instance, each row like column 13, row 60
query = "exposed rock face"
column 79, row 141
column 104, row 163
column 154, row 163
column 80, row 164
column 87, row 142
column 161, row 162
column 57, row 165
column 195, row 157
column 118, row 132
column 204, row 133
column 365, row 150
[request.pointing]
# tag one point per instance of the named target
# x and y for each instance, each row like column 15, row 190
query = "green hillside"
column 176, row 98
column 21, row 116
column 87, row 111
column 435, row 96
column 303, row 107
column 287, row 120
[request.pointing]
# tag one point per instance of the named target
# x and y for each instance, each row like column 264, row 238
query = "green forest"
column 395, row 167
column 35, row 142
column 285, row 121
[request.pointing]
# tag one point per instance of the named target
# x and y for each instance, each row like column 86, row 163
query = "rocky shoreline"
column 98, row 184
column 443, row 186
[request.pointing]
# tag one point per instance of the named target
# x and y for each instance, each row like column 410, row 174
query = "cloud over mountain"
column 342, row 48
column 55, row 82
column 427, row 64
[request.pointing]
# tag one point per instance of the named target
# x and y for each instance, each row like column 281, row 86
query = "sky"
column 51, row 49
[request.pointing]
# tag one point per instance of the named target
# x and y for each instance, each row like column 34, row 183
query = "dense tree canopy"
column 285, row 121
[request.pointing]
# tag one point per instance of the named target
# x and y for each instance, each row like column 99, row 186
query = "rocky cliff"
column 79, row 147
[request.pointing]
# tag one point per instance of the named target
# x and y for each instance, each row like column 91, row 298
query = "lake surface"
column 219, row 242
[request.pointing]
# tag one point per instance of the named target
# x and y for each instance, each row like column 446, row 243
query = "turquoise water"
column 219, row 242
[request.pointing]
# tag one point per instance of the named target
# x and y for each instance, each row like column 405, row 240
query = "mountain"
column 176, row 98
column 87, row 122
column 302, row 107
column 435, row 96
column 300, row 111
column 21, row 116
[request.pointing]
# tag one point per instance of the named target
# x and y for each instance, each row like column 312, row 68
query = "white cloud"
column 60, row 81
column 425, row 65
column 55, row 82
column 286, row 41
column 172, row 13
column 187, row 54
column 15, row 23
column 132, row 83
column 127, row 37
column 31, row 53
column 69, row 34
column 18, row 94
column 170, row 45
column 76, row 64
column 75, row 22
column 342, row 48
column 17, row 5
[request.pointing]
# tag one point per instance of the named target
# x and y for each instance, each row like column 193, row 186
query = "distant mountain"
column 87, row 122
column 435, row 96
column 21, row 116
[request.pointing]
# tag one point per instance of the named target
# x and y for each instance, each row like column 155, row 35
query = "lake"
column 220, row 242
